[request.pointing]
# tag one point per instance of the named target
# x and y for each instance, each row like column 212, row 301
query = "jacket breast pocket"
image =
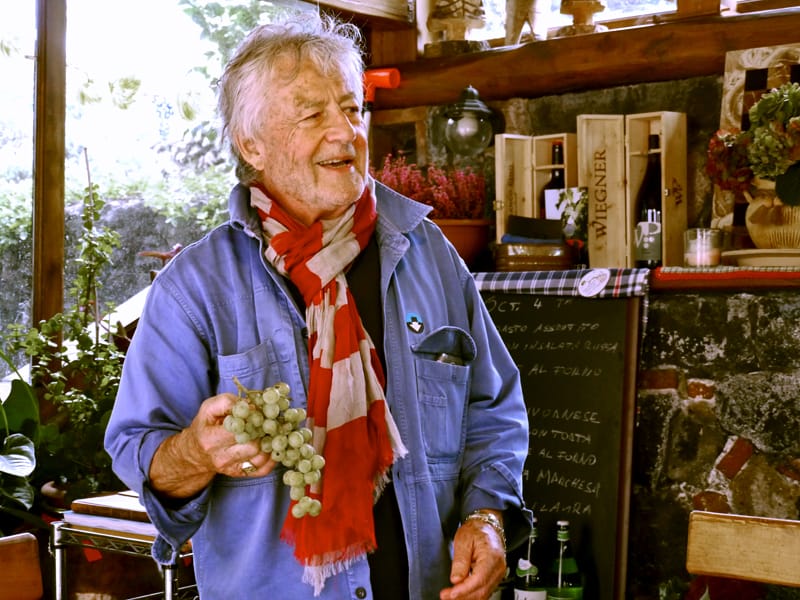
column 255, row 368
column 442, row 362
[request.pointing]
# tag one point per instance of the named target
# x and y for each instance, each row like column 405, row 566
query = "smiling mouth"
column 336, row 163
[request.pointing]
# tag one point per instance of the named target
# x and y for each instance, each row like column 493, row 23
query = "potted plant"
column 19, row 432
column 457, row 195
column 75, row 367
column 761, row 163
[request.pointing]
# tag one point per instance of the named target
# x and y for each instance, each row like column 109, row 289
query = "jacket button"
column 361, row 592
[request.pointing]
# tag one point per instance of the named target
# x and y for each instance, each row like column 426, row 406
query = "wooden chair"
column 744, row 547
column 21, row 573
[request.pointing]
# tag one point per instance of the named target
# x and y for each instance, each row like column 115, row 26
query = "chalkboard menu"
column 574, row 337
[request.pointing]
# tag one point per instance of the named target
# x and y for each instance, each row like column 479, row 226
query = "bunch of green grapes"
column 267, row 415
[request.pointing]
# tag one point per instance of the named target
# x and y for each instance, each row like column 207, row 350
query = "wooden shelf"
column 723, row 278
column 397, row 11
column 668, row 51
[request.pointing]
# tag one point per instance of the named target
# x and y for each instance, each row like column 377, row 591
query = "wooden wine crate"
column 523, row 166
column 611, row 162
column 671, row 127
column 543, row 164
column 513, row 179
column 601, row 170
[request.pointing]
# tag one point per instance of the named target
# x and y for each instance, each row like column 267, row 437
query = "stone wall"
column 717, row 425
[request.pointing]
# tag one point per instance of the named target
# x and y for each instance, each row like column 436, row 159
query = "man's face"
column 311, row 147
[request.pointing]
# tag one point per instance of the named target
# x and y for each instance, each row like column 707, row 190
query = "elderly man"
column 340, row 288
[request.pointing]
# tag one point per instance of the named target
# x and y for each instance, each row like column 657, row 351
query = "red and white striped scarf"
column 352, row 427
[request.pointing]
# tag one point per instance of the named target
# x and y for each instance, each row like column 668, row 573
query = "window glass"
column 141, row 125
column 17, row 48
column 140, row 128
column 495, row 11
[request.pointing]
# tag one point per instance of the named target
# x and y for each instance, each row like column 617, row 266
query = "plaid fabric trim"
column 577, row 282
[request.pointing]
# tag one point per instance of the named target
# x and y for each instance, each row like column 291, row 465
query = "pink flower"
column 453, row 193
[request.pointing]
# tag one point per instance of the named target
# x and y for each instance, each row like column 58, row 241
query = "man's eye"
column 312, row 117
column 353, row 112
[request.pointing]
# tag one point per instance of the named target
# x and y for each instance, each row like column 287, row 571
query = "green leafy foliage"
column 19, row 417
column 20, row 411
column 15, row 214
column 123, row 91
column 225, row 25
column 76, row 364
column 769, row 148
column 204, row 197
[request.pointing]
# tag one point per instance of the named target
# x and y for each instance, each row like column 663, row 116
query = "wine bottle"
column 529, row 580
column 548, row 202
column 567, row 580
column 647, row 233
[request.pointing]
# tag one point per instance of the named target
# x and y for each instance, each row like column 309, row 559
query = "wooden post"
column 48, row 170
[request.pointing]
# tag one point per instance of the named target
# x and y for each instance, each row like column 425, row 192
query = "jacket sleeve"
column 497, row 427
column 166, row 376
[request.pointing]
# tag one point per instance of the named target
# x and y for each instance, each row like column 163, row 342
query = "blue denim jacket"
column 218, row 311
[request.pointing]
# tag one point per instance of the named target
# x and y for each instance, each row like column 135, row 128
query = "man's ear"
column 250, row 151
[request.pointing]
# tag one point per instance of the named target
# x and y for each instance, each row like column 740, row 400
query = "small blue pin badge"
column 414, row 322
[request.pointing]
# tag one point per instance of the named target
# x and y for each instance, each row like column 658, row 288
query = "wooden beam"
column 400, row 11
column 745, row 6
column 693, row 8
column 744, row 547
column 48, row 169
column 668, row 51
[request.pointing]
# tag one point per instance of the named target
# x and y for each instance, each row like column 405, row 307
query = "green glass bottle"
column 567, row 581
column 529, row 580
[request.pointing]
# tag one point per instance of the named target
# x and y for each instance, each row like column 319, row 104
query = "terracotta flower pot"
column 469, row 236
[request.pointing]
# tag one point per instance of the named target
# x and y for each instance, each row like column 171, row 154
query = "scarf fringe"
column 380, row 484
column 315, row 575
column 398, row 448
